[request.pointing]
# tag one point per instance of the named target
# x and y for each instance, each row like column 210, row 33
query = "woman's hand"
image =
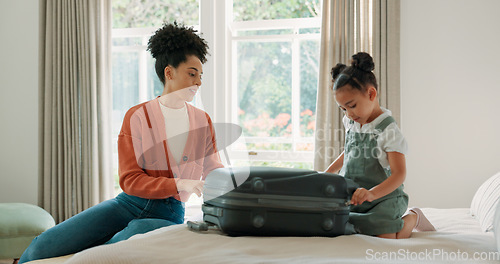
column 362, row 195
column 190, row 186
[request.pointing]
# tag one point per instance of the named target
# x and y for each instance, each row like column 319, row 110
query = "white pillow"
column 496, row 226
column 485, row 201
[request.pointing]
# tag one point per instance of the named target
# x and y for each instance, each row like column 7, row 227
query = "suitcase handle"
column 351, row 186
column 202, row 226
column 198, row 226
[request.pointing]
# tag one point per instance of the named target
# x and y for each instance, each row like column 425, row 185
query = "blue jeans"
column 108, row 222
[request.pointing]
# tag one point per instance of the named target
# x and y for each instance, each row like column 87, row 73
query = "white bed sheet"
column 458, row 239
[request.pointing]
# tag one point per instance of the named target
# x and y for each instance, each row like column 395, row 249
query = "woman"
column 166, row 148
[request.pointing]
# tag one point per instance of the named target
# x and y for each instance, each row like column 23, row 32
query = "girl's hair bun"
column 363, row 61
column 337, row 70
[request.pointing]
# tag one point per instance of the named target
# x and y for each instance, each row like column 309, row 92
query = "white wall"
column 450, row 69
column 19, row 101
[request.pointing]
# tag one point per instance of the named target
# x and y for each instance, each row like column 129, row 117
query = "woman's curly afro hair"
column 172, row 43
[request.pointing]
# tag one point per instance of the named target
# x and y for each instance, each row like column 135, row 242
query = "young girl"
column 166, row 148
column 374, row 155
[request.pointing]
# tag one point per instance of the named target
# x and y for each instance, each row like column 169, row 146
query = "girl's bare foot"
column 410, row 221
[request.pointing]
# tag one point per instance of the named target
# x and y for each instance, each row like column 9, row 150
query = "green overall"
column 381, row 216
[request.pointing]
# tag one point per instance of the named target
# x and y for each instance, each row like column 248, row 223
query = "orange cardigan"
column 146, row 167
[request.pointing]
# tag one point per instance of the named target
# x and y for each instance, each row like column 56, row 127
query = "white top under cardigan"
column 389, row 140
column 177, row 128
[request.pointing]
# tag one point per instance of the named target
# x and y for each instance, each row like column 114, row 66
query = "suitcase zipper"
column 285, row 198
column 280, row 201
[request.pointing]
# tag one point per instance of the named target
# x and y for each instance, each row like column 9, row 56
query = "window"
column 262, row 72
column 274, row 78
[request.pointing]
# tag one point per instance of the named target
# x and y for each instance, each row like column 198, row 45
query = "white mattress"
column 458, row 239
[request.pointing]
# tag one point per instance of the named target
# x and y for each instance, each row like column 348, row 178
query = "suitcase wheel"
column 258, row 221
column 258, row 185
column 329, row 190
column 327, row 224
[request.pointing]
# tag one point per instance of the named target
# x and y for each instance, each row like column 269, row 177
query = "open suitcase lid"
column 275, row 181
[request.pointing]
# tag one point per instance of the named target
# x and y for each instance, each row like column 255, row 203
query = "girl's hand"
column 190, row 186
column 362, row 195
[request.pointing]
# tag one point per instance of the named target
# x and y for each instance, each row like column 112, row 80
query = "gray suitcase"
column 268, row 201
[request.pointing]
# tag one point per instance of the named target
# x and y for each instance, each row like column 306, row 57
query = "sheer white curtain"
column 350, row 26
column 75, row 94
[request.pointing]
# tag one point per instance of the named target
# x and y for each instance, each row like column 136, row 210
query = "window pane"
column 125, row 68
column 125, row 81
column 155, row 87
column 265, row 32
column 264, row 90
column 152, row 13
column 269, row 146
column 309, row 71
column 309, row 31
column 127, row 41
column 244, row 10
column 283, row 164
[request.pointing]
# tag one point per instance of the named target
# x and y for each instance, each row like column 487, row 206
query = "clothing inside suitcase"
column 269, row 201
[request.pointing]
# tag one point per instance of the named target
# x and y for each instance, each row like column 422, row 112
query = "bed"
column 467, row 235
column 458, row 238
